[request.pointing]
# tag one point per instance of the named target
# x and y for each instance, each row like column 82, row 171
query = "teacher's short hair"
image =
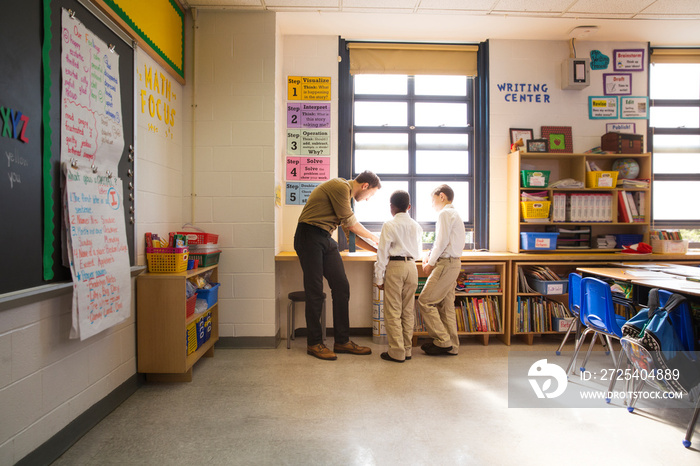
column 370, row 178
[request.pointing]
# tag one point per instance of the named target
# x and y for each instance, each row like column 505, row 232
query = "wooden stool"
column 300, row 297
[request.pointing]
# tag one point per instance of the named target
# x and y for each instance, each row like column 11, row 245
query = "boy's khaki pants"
column 400, row 283
column 437, row 304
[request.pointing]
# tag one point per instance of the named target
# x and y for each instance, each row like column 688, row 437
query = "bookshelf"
column 481, row 308
column 573, row 165
column 161, row 326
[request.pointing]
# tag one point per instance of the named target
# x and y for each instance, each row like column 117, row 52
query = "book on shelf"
column 479, row 314
column 588, row 207
column 629, row 207
column 536, row 314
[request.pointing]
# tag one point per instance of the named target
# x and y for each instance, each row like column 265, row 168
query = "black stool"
column 300, row 297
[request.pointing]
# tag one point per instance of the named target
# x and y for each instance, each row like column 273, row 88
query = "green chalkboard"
column 30, row 128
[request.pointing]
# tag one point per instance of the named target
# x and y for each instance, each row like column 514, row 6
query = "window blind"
column 412, row 59
column 675, row 56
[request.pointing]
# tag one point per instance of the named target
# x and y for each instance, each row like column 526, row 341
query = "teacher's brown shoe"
column 352, row 348
column 320, row 351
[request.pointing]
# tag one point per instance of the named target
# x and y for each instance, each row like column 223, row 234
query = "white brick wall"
column 234, row 147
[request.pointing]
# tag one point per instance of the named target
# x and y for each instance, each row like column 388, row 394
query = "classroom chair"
column 300, row 297
column 574, row 308
column 598, row 316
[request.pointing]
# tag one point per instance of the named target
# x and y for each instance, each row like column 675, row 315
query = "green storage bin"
column 534, row 178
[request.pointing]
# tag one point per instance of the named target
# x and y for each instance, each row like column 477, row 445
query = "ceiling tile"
column 550, row 6
column 303, row 3
column 472, row 5
column 673, row 7
column 612, row 7
column 380, row 4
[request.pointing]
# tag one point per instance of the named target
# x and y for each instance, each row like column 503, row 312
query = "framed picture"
column 537, row 145
column 520, row 133
column 628, row 60
column 558, row 137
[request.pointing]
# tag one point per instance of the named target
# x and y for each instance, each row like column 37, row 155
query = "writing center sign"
column 524, row 92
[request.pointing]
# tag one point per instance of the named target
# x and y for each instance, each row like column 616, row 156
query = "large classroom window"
column 416, row 129
column 674, row 133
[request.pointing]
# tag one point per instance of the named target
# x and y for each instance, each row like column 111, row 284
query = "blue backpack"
column 666, row 332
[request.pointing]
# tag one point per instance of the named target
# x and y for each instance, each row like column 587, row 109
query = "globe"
column 627, row 168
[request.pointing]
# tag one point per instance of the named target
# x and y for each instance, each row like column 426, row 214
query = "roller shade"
column 675, row 56
column 412, row 59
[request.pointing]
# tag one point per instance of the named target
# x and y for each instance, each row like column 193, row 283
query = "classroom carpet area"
column 279, row 406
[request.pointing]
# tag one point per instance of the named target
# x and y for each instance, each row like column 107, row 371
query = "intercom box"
column 575, row 73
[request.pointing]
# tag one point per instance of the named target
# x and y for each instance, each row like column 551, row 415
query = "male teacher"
column 328, row 206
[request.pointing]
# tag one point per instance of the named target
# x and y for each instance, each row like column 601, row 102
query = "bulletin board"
column 30, row 172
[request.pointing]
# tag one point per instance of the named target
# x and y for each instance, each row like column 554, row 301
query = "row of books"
column 582, row 207
column 537, row 314
column 479, row 282
column 479, row 315
column 631, row 206
column 665, row 234
column 482, row 314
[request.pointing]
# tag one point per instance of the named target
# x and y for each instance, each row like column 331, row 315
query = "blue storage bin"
column 538, row 241
column 211, row 296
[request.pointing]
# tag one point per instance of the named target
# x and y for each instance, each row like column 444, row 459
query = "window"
column 674, row 135
column 416, row 131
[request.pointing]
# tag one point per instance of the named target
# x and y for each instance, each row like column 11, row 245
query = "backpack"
column 654, row 328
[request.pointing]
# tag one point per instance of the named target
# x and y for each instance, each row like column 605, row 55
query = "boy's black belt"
column 400, row 258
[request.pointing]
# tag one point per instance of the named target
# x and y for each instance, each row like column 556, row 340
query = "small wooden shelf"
column 162, row 321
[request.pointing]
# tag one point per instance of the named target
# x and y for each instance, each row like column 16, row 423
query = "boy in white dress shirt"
column 436, row 301
column 395, row 272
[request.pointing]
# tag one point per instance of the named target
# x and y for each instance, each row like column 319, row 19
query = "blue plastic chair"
column 574, row 308
column 598, row 316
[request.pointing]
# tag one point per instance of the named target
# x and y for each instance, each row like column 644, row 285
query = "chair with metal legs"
column 598, row 316
column 300, row 297
column 574, row 308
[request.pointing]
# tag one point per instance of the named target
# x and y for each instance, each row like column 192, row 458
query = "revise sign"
column 91, row 106
column 97, row 251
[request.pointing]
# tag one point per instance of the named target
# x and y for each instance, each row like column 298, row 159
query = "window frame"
column 477, row 176
column 654, row 131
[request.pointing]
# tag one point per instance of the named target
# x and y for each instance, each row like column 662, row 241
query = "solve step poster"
column 97, row 249
column 91, row 112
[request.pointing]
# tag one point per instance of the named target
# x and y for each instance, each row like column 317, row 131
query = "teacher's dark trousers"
column 319, row 257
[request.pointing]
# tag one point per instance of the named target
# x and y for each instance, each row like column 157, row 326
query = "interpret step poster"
column 308, row 136
column 97, row 250
column 91, row 106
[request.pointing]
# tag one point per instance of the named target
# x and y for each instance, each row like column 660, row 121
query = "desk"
column 677, row 285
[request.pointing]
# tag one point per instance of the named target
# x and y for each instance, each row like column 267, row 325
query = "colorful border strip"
column 122, row 14
column 46, row 144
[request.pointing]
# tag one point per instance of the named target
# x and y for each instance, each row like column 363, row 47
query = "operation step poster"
column 308, row 135
column 91, row 112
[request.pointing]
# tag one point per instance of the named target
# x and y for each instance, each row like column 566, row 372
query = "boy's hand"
column 428, row 268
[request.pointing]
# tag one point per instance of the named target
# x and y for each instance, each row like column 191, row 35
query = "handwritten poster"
column 91, row 108
column 97, row 250
column 157, row 100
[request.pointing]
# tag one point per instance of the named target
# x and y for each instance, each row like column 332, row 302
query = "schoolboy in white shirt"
column 395, row 272
column 436, row 301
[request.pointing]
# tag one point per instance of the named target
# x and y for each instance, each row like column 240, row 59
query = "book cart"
column 480, row 313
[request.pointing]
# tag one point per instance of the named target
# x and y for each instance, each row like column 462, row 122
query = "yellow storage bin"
column 539, row 209
column 601, row 179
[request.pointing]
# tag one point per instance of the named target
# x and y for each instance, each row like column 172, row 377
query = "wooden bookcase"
column 470, row 267
column 573, row 166
column 161, row 323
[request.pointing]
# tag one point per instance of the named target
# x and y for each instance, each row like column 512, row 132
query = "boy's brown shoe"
column 352, row 348
column 321, row 352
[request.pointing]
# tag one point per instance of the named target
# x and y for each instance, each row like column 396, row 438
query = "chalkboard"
column 30, row 122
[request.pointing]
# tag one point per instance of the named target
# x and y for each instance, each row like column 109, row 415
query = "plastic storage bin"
column 191, row 301
column 167, row 259
column 206, row 259
column 211, row 296
column 550, row 287
column 535, row 178
column 601, row 179
column 538, row 241
column 669, row 246
column 532, row 210
column 199, row 237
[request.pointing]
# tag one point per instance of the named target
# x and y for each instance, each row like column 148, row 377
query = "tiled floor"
column 279, row 406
